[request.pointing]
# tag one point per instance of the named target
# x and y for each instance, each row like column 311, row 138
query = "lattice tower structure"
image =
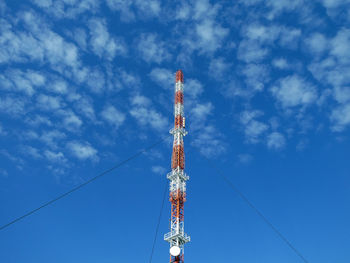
column 177, row 177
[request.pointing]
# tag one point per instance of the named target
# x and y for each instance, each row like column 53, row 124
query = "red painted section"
column 179, row 97
column 178, row 121
column 178, row 157
column 179, row 76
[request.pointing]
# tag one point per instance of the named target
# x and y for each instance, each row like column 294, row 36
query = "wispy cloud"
column 276, row 141
column 82, row 150
column 294, row 91
column 141, row 9
column 146, row 115
column 68, row 9
column 253, row 128
column 102, row 43
column 152, row 49
column 159, row 170
column 113, row 116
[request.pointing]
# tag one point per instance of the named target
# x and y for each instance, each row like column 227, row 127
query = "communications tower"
column 177, row 236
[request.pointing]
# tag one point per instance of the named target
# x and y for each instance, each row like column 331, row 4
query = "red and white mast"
column 177, row 237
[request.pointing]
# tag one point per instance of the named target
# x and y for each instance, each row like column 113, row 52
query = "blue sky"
column 85, row 84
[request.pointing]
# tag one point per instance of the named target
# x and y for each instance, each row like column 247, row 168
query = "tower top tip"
column 179, row 76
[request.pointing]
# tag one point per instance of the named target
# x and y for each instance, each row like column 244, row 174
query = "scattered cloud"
column 48, row 103
column 209, row 142
column 340, row 117
column 293, row 91
column 21, row 81
column 193, row 88
column 102, row 43
column 145, row 115
column 55, row 157
column 52, row 138
column 276, row 141
column 68, row 9
column 31, row 151
column 14, row 106
column 163, row 77
column 113, row 116
column 129, row 10
column 218, row 68
column 82, row 150
column 256, row 76
column 159, row 170
column 70, row 120
column 317, row 43
column 152, row 49
column 253, row 129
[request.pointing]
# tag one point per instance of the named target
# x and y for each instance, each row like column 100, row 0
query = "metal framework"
column 177, row 236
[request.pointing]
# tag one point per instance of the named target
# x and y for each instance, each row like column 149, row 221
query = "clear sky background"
column 86, row 84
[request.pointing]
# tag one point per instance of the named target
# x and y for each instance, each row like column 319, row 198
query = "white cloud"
column 102, row 43
column 205, row 33
column 253, row 129
column 340, row 46
column 56, row 157
column 256, row 76
column 199, row 113
column 12, row 106
column 58, row 86
column 149, row 8
column 259, row 39
column 290, row 37
column 43, row 3
column 68, row 8
column 335, row 8
column 31, row 151
column 145, row 115
column 340, row 117
column 251, row 51
column 129, row 9
column 276, row 8
column 48, row 103
column 159, row 170
column 210, row 35
column 342, row 94
column 294, row 91
column 334, row 3
column 183, row 11
column 276, row 141
column 36, row 43
column 208, row 141
column 218, row 68
column 22, row 81
column 85, row 107
column 334, row 69
column 38, row 120
column 281, row 63
column 113, row 116
column 317, row 43
column 193, row 88
column 163, row 77
column 96, row 80
column 124, row 7
column 82, row 151
column 262, row 34
column 70, row 120
column 52, row 138
column 152, row 49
